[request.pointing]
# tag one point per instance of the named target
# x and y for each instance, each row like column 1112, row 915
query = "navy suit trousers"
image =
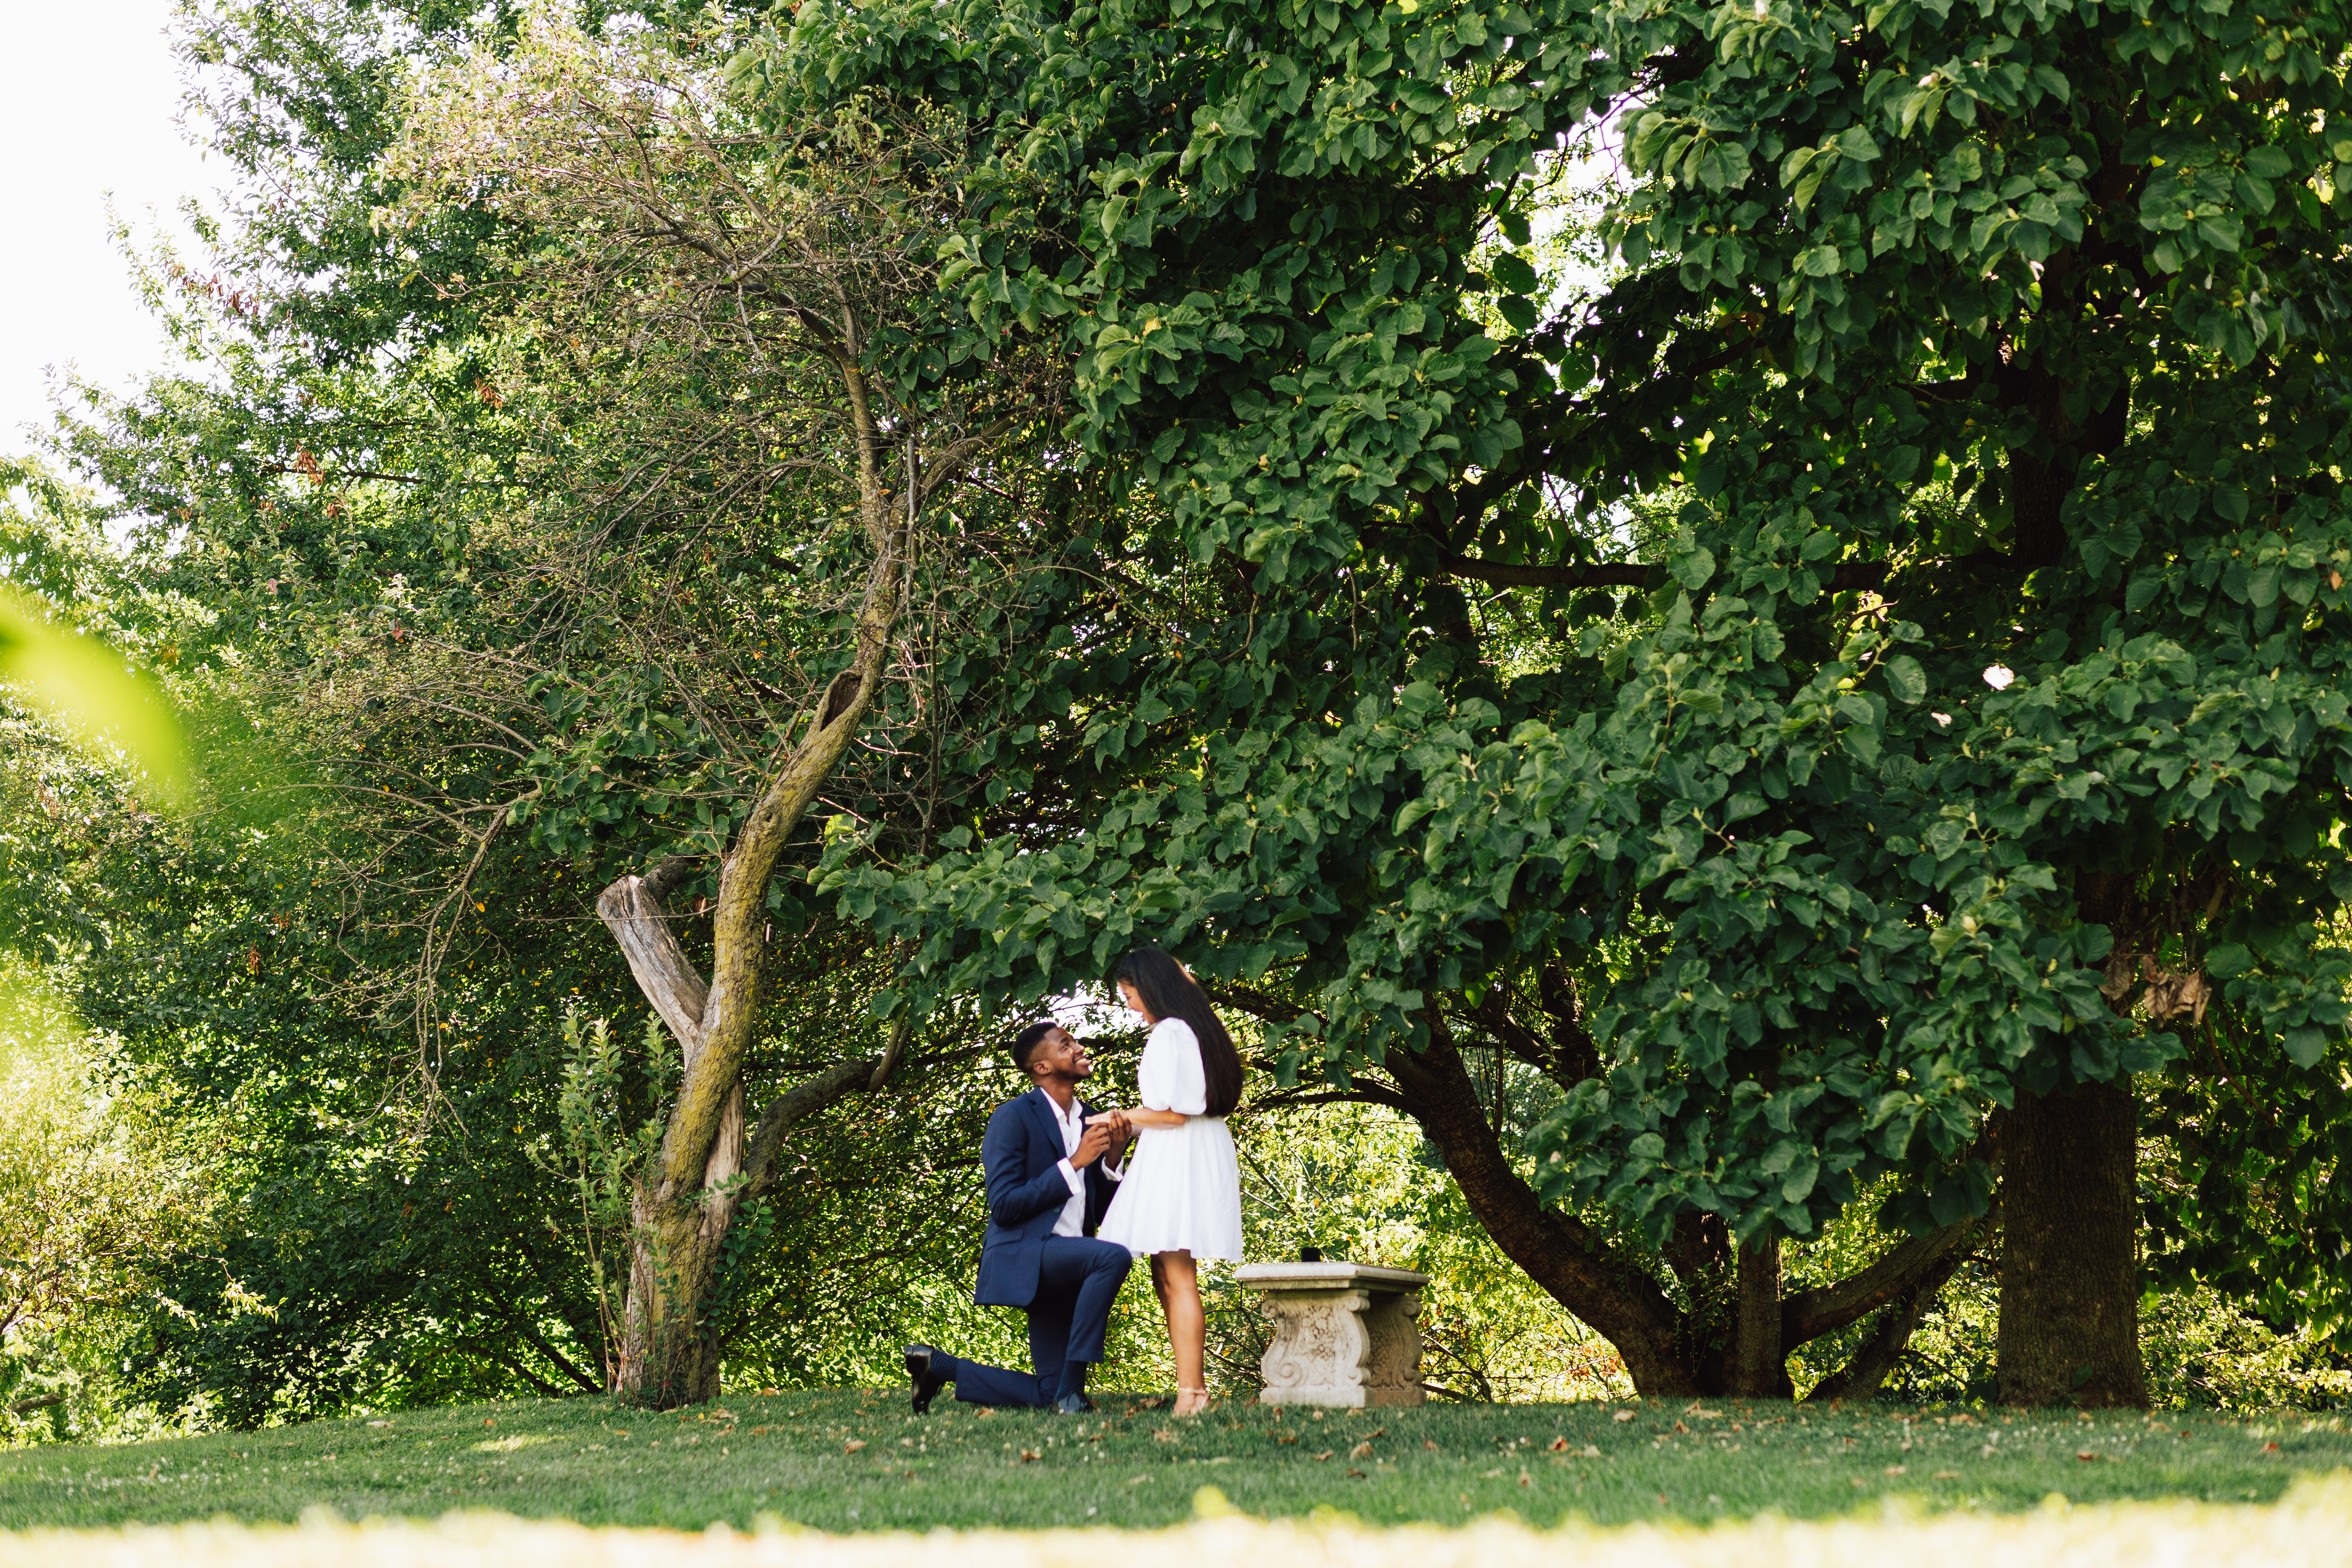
column 1079, row 1277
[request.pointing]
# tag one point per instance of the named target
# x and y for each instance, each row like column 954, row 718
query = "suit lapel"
column 1048, row 1128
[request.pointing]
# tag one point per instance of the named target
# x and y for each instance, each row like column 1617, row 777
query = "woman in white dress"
column 1180, row 1200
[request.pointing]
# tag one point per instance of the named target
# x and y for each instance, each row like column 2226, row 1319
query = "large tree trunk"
column 2070, row 1264
column 1759, row 1363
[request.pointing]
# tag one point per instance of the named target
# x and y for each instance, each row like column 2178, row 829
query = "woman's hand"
column 1140, row 1117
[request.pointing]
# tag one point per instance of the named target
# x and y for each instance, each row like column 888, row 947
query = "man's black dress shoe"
column 1073, row 1404
column 926, row 1382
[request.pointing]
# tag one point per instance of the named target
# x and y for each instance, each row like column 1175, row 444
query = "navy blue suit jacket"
column 1023, row 1155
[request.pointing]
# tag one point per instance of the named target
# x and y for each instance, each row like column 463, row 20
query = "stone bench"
column 1344, row 1333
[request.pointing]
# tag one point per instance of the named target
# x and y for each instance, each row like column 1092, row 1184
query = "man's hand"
column 1122, row 1132
column 1099, row 1139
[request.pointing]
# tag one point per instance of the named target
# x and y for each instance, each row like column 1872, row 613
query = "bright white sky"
column 88, row 94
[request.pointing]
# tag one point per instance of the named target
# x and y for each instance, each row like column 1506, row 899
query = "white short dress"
column 1182, row 1191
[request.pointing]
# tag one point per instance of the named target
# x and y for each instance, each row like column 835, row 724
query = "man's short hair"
column 1026, row 1042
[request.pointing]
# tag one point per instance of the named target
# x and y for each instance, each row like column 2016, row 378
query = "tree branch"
column 631, row 909
column 1860, row 1377
column 1851, row 577
column 1809, row 1314
column 804, row 1099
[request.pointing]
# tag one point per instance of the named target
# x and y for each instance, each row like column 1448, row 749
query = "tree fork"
column 1577, row 1268
column 1557, row 1253
column 688, row 1199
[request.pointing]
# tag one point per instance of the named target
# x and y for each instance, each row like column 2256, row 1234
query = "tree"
column 1948, row 341
column 790, row 251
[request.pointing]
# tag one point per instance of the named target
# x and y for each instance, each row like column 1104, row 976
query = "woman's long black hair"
column 1167, row 991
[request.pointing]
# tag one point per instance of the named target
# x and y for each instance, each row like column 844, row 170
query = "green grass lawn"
column 846, row 1462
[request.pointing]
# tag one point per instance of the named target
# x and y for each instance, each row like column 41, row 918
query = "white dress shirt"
column 1072, row 1221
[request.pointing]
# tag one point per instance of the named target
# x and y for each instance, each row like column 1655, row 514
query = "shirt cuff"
column 1070, row 1175
column 1115, row 1170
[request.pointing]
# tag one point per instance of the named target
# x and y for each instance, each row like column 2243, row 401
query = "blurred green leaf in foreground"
column 84, row 687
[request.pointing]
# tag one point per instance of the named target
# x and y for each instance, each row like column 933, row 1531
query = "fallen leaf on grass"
column 1163, row 1435
column 853, row 1444
column 1525, row 1479
column 1622, row 1415
column 1324, row 1455
column 1430, row 1446
column 1030, row 1455
column 759, row 1431
column 1896, row 1470
column 1286, row 1439
column 2270, row 1447
column 1693, row 1408
column 1491, row 1476
column 1559, row 1444
column 1359, row 1450
column 1948, row 1475
column 1680, row 1427
column 2087, row 1456
column 1137, row 1480
column 986, row 1410
column 1358, row 1474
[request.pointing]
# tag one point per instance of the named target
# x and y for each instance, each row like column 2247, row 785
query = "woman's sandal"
column 1197, row 1409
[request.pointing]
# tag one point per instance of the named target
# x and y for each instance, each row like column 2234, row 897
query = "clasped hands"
column 1106, row 1132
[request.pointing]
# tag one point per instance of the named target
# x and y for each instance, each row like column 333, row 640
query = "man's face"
column 1060, row 1055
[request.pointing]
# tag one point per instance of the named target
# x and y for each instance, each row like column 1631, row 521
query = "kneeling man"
column 1050, row 1177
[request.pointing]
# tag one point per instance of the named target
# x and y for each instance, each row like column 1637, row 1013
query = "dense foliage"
column 1705, row 734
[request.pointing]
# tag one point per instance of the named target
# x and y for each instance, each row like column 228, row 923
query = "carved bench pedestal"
column 1344, row 1333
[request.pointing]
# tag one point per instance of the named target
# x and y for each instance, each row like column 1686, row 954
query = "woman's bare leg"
column 1179, row 1282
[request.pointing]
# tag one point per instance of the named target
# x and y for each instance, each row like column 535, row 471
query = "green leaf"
column 2262, row 584
column 2228, row 961
column 89, row 690
column 1513, row 273
column 1693, row 568
column 1857, row 143
column 1905, row 679
column 2269, row 163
